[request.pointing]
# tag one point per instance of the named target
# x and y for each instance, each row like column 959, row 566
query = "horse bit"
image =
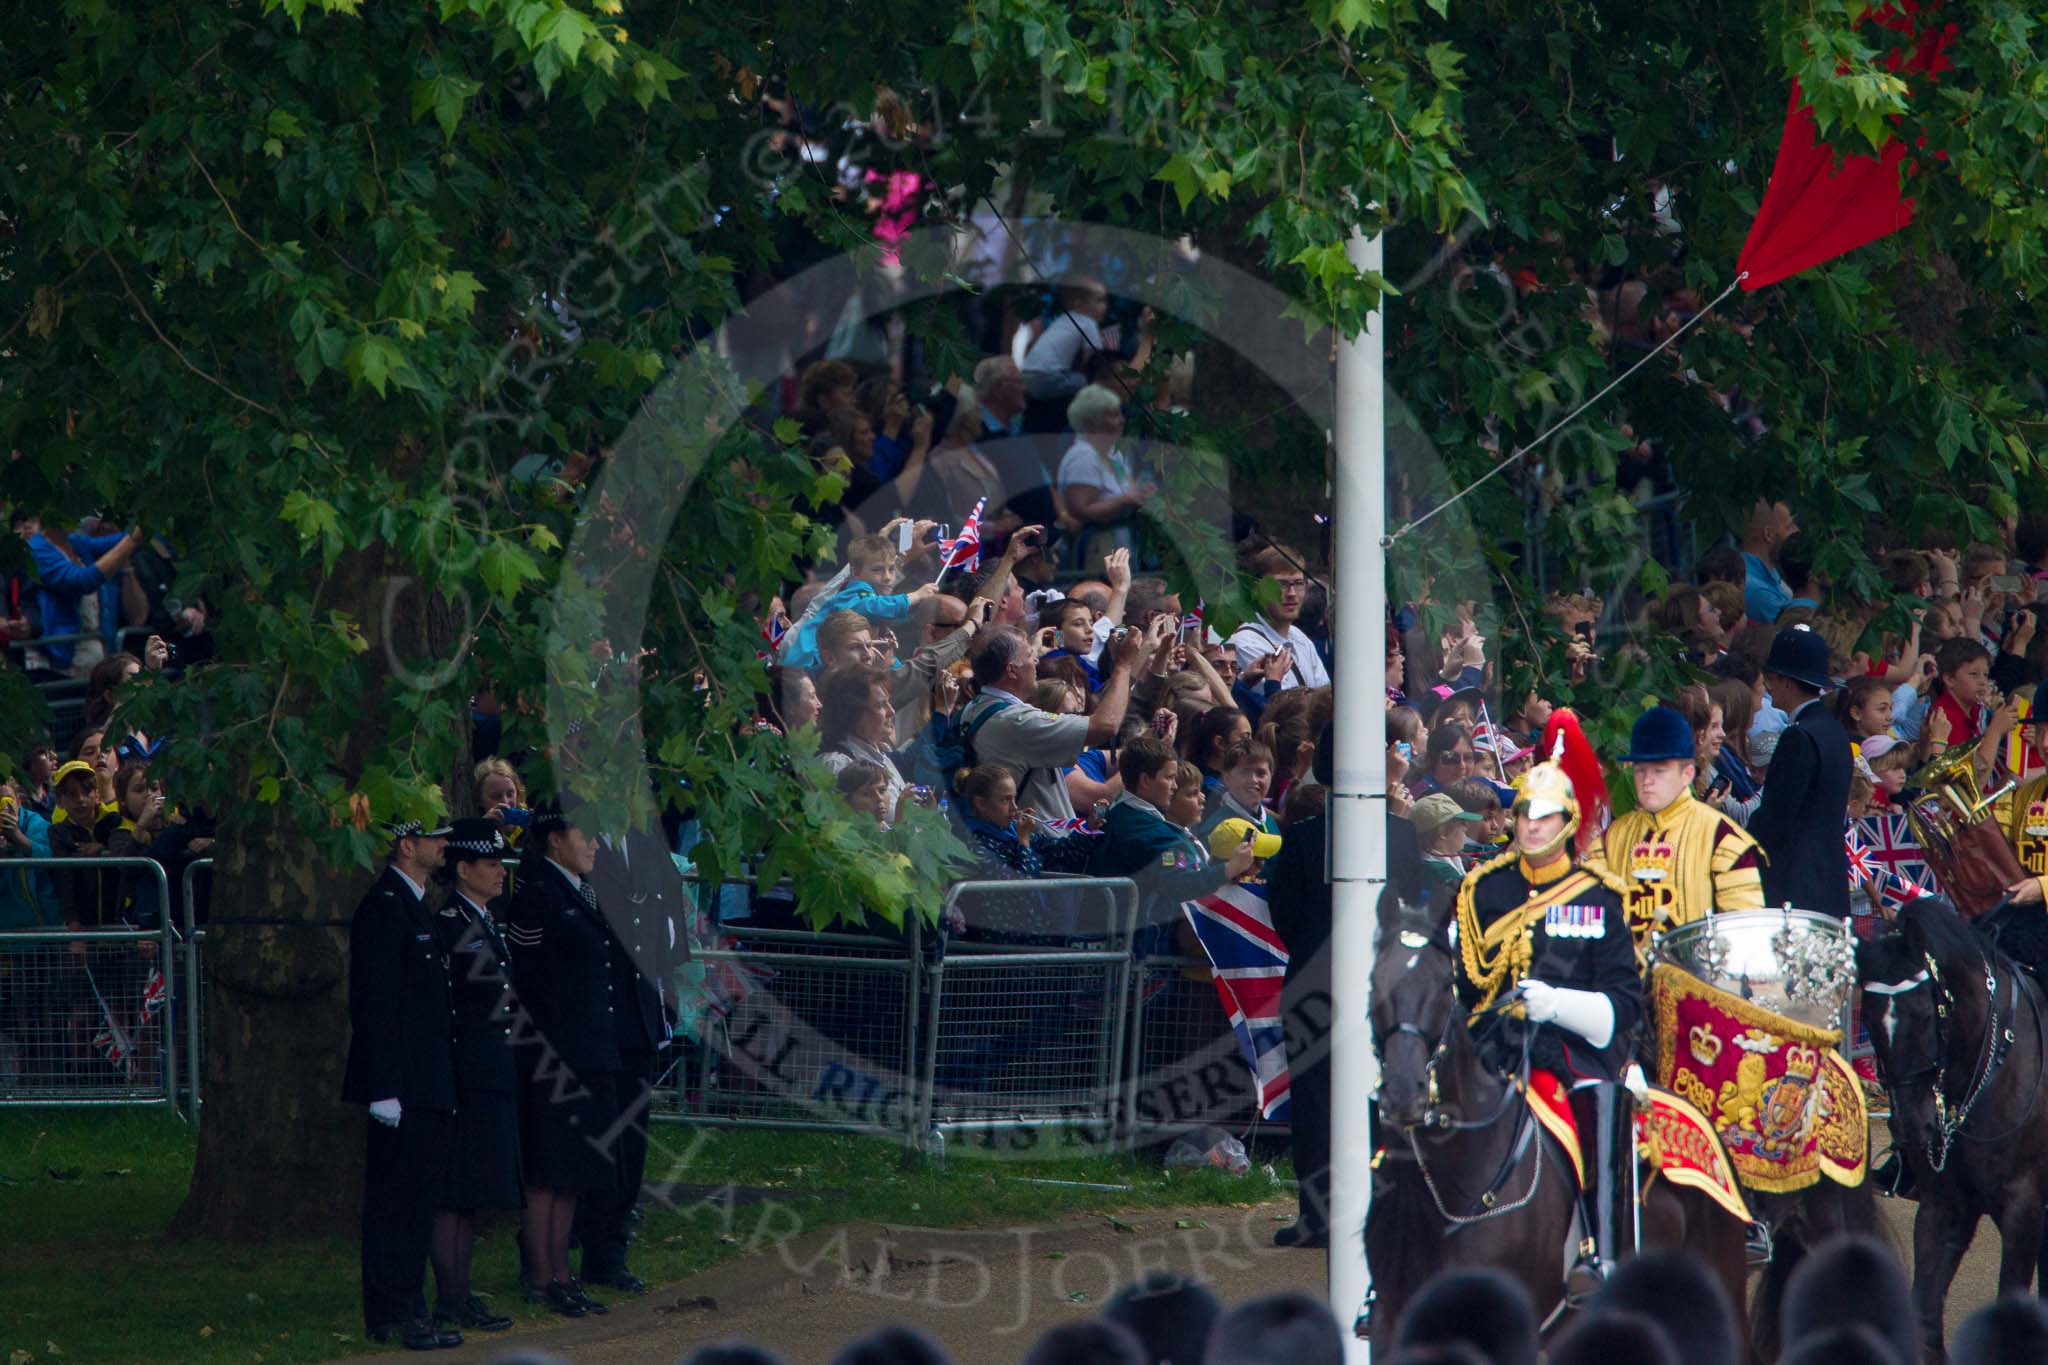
column 1434, row 1117
column 1998, row 1041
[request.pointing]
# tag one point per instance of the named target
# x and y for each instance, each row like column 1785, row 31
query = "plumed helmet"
column 1568, row 782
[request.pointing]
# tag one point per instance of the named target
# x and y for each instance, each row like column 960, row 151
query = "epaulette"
column 1505, row 858
column 1597, row 869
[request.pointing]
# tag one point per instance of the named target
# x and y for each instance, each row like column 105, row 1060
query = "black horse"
column 1957, row 1030
column 1467, row 1176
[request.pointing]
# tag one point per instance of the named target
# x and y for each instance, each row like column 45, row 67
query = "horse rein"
column 1434, row 1117
column 1998, row 1040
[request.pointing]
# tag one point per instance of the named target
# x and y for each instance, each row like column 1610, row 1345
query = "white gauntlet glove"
column 385, row 1112
column 1589, row 1014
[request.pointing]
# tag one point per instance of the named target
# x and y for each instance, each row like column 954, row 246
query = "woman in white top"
column 1098, row 489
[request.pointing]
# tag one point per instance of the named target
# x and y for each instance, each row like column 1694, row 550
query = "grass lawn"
column 86, row 1275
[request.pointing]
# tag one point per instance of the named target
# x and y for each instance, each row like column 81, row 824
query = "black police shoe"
column 618, row 1278
column 1298, row 1234
column 472, row 1314
column 590, row 1305
column 559, row 1297
column 417, row 1334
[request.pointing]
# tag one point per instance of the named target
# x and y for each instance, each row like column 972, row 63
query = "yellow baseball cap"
column 76, row 765
column 1227, row 836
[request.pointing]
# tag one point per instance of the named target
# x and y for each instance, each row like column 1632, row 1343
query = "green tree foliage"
column 279, row 278
column 296, row 284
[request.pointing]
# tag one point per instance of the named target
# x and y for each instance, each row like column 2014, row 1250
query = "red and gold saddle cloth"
column 1672, row 1137
column 1787, row 1108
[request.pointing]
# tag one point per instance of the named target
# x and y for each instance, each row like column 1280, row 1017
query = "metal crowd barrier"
column 89, row 1016
column 1186, row 1069
column 798, row 1030
column 1025, row 1009
column 195, row 988
column 1038, row 1015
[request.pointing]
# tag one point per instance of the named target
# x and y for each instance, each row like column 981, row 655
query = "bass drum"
column 1797, row 963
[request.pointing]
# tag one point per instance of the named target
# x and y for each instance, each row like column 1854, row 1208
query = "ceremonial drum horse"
column 1957, row 1030
column 1469, row 1170
column 1746, row 1009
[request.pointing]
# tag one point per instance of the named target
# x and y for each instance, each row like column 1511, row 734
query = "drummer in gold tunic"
column 1678, row 858
column 1534, row 920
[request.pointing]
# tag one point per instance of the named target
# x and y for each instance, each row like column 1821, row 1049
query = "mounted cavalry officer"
column 1537, row 922
column 1679, row 859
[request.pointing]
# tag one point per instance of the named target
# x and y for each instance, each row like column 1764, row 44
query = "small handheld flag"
column 964, row 550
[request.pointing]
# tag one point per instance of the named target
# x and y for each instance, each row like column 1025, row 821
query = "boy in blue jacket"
column 874, row 567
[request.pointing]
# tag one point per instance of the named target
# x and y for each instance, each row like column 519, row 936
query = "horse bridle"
column 1434, row 1116
column 1998, row 1040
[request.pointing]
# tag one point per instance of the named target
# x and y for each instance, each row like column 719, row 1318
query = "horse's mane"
column 1399, row 917
column 1935, row 925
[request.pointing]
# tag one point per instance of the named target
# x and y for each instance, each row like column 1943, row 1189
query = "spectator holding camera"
column 1275, row 629
column 1002, row 727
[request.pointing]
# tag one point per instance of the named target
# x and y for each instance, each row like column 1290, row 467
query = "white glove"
column 385, row 1112
column 1586, row 1013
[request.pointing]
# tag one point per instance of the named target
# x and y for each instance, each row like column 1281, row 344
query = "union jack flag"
column 1249, row 961
column 964, row 550
column 774, row 628
column 1077, row 825
column 113, row 1044
column 1191, row 624
column 1894, row 850
column 153, row 993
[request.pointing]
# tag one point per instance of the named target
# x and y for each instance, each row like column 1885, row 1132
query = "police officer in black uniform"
column 486, row 1172
column 401, row 1064
column 1534, row 920
column 642, row 896
column 569, row 1066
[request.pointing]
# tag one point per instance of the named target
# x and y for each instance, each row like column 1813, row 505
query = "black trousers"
column 403, row 1175
column 600, row 1225
column 1305, row 1015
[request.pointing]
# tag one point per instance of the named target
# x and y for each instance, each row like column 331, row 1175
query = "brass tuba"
column 1964, row 846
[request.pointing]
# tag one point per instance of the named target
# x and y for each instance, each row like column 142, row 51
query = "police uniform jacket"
column 561, row 958
column 644, row 909
column 480, row 986
column 1683, row 863
column 1569, row 930
column 401, row 1019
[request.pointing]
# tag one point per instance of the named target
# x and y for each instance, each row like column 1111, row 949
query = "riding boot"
column 1594, row 1265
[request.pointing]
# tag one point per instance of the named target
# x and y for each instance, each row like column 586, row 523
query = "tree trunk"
column 279, row 1153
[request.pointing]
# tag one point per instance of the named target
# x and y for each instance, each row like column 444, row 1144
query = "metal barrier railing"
column 84, row 1048
column 195, row 989
column 1025, row 1027
column 1186, row 1069
column 1037, row 1014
